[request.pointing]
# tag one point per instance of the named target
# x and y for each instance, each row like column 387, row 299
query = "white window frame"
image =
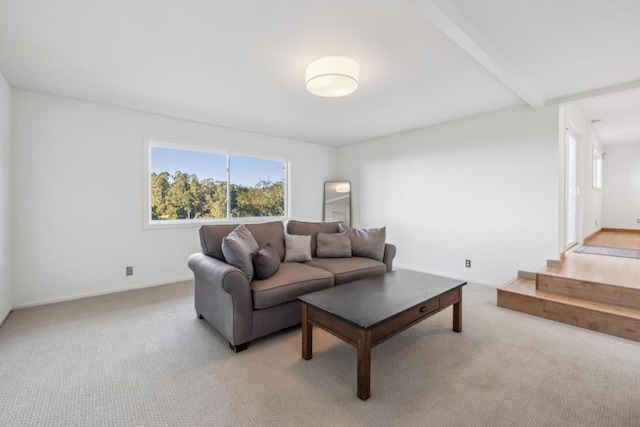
column 149, row 223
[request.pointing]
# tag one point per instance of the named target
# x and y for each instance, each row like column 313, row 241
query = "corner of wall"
column 6, row 201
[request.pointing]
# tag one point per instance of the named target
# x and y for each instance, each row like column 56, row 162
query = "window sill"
column 196, row 223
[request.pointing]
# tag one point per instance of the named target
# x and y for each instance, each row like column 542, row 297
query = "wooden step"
column 588, row 290
column 521, row 295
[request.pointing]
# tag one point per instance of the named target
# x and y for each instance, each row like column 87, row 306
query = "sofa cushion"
column 271, row 233
column 211, row 236
column 334, row 245
column 211, row 239
column 312, row 229
column 238, row 249
column 366, row 242
column 291, row 281
column 266, row 263
column 298, row 248
column 349, row 269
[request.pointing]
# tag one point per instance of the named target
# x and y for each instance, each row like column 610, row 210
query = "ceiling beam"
column 622, row 87
column 453, row 27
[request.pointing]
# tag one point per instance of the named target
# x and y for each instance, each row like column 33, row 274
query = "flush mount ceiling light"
column 332, row 76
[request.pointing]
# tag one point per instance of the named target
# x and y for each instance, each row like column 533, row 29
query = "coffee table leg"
column 457, row 313
column 307, row 334
column 364, row 364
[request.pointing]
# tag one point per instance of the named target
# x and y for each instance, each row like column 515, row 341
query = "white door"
column 572, row 190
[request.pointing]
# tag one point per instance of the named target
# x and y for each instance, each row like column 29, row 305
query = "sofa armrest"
column 223, row 297
column 389, row 255
column 220, row 274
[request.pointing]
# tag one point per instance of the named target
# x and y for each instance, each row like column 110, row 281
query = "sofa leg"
column 200, row 316
column 239, row 348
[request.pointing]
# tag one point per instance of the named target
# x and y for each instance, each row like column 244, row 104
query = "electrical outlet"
column 129, row 271
column 467, row 263
column 638, row 220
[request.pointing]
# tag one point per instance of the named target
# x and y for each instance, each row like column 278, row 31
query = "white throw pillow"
column 298, row 248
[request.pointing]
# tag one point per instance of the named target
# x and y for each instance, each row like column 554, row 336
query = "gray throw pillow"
column 366, row 243
column 238, row 249
column 333, row 245
column 298, row 248
column 266, row 262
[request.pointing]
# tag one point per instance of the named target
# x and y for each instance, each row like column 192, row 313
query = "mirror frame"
column 328, row 189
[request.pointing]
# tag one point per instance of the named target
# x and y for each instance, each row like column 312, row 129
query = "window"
column 597, row 169
column 193, row 185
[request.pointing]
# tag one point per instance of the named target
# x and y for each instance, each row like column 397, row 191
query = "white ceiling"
column 241, row 63
column 618, row 115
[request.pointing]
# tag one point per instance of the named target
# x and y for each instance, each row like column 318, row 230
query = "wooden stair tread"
column 528, row 287
column 606, row 270
column 556, row 272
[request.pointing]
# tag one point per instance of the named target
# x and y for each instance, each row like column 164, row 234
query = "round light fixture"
column 332, row 76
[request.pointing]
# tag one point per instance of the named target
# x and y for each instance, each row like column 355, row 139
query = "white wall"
column 589, row 199
column 6, row 299
column 78, row 195
column 621, row 186
column 484, row 188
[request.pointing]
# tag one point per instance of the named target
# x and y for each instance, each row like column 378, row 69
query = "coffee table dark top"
column 368, row 302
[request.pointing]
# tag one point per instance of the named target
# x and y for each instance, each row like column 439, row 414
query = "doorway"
column 572, row 191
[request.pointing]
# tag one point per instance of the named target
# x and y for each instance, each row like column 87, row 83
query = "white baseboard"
column 554, row 263
column 527, row 274
column 440, row 273
column 98, row 293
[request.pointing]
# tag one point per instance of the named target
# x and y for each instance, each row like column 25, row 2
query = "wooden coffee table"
column 367, row 312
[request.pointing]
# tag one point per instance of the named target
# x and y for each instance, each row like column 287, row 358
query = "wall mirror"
column 337, row 201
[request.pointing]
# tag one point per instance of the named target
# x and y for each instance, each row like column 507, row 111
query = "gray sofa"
column 243, row 311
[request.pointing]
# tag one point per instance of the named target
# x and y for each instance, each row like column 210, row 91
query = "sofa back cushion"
column 211, row 239
column 271, row 233
column 312, row 229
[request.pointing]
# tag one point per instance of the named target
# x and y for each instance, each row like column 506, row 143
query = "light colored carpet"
column 142, row 358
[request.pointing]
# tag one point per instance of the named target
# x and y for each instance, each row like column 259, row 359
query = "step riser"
column 607, row 323
column 592, row 291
